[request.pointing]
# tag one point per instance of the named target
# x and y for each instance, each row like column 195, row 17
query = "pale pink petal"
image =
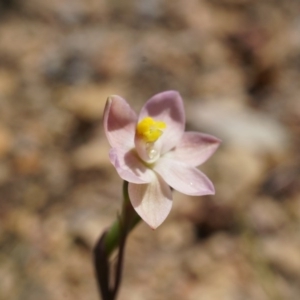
column 152, row 201
column 119, row 123
column 194, row 148
column 167, row 107
column 129, row 166
column 183, row 178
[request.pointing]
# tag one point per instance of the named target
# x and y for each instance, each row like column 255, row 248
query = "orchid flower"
column 152, row 152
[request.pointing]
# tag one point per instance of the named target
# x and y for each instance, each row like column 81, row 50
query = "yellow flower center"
column 150, row 130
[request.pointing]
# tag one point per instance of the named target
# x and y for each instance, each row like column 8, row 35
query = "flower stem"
column 111, row 239
column 123, row 224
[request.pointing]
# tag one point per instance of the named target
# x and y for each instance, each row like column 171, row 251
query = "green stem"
column 123, row 224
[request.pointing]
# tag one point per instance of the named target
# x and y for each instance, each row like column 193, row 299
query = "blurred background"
column 236, row 64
